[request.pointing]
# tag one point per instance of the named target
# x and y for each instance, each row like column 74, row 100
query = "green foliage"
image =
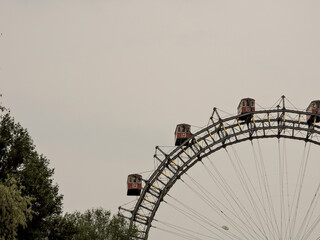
column 16, row 145
column 30, row 205
column 62, row 228
column 119, row 229
column 18, row 158
column 36, row 176
column 97, row 224
column 15, row 209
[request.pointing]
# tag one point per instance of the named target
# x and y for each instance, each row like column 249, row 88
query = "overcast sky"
column 98, row 84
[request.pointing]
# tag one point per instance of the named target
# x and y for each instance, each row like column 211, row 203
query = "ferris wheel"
column 252, row 175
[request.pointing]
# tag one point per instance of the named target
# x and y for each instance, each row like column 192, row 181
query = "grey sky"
column 99, row 84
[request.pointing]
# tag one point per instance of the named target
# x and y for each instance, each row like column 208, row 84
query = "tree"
column 97, row 224
column 30, row 204
column 119, row 229
column 36, row 176
column 62, row 228
column 15, row 209
column 19, row 159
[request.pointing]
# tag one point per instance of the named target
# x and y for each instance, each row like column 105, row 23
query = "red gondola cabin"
column 182, row 133
column 313, row 108
column 134, row 185
column 246, row 105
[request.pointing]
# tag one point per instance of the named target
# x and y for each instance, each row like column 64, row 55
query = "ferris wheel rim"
column 273, row 119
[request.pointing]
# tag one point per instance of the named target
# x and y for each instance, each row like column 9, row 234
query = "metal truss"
column 273, row 123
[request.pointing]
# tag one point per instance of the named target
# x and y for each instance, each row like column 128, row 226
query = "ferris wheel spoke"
column 285, row 217
column 258, row 197
column 257, row 200
column 301, row 177
column 229, row 214
column 200, row 219
column 231, row 198
column 203, row 221
column 282, row 176
column 264, row 199
column 178, row 233
column 265, row 190
column 312, row 228
column 243, row 178
column 287, row 222
column 262, row 193
column 290, row 214
column 208, row 199
column 195, row 234
column 310, row 211
column 306, row 220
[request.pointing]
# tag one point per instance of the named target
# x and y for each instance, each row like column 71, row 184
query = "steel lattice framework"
column 272, row 123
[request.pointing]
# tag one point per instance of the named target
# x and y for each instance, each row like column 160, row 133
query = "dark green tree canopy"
column 19, row 159
column 99, row 224
column 15, row 209
column 16, row 146
column 31, row 203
